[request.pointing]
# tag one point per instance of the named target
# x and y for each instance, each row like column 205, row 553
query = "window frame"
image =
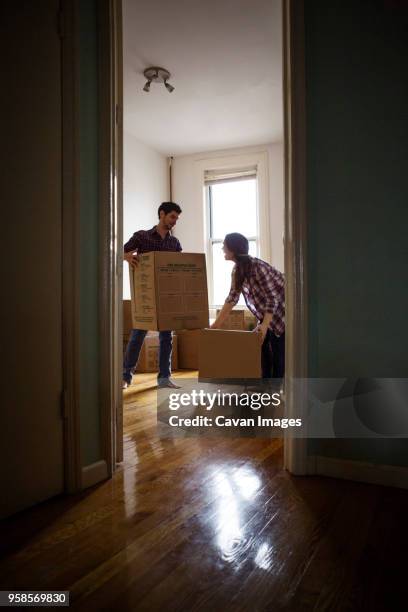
column 258, row 159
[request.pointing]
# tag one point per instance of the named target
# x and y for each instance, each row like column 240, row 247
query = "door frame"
column 111, row 239
column 295, row 449
column 111, row 228
column 296, row 362
column 111, row 255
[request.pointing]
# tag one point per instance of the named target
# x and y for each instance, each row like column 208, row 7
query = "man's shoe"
column 167, row 383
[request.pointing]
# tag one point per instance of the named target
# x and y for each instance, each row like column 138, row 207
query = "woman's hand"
column 222, row 315
column 262, row 329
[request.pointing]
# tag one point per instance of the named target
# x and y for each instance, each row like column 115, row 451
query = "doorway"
column 157, row 154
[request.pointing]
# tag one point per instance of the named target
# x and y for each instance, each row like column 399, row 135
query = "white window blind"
column 223, row 176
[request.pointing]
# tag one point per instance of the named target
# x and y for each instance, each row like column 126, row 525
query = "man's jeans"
column 133, row 351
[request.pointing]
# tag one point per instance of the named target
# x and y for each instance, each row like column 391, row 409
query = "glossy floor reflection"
column 211, row 524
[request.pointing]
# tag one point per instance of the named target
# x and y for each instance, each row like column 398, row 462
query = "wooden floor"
column 212, row 524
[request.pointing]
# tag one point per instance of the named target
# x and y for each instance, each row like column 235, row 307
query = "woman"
column 263, row 288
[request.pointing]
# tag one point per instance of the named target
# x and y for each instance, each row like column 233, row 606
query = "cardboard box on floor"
column 226, row 354
column 149, row 355
column 187, row 345
column 169, row 291
column 235, row 319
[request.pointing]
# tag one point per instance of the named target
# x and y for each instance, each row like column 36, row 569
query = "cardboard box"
column 149, row 355
column 226, row 355
column 250, row 321
column 127, row 317
column 235, row 319
column 187, row 345
column 169, row 291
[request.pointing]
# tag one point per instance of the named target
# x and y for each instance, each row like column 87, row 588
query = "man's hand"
column 215, row 325
column 131, row 258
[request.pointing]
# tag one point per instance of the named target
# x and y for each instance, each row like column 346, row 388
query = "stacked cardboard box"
column 235, row 320
column 239, row 319
column 149, row 355
column 169, row 291
column 188, row 341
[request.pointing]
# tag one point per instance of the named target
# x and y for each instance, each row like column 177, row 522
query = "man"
column 158, row 238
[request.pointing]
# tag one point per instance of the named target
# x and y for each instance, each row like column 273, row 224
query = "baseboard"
column 94, row 473
column 361, row 471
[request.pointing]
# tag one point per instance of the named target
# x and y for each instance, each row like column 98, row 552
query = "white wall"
column 276, row 204
column 145, row 186
column 190, row 228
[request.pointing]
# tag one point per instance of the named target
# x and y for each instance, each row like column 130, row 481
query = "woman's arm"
column 222, row 315
column 268, row 284
column 262, row 328
column 230, row 302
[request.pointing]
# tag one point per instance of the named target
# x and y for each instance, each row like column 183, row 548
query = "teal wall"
column 89, row 231
column 357, row 199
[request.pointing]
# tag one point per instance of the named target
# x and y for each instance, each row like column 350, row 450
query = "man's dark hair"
column 168, row 207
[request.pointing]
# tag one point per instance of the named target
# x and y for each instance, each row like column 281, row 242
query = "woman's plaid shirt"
column 264, row 291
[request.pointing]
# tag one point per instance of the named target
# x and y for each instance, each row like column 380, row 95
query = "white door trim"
column 111, row 231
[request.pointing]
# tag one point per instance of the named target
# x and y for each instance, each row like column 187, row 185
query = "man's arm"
column 130, row 250
column 131, row 258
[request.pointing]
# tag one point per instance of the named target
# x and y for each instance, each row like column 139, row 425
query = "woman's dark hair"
column 168, row 207
column 239, row 245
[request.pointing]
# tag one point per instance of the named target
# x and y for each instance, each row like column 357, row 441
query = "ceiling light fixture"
column 169, row 87
column 154, row 74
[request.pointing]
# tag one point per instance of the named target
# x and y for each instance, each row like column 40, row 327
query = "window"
column 232, row 205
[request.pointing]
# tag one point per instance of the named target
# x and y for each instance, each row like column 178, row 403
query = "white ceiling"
column 225, row 58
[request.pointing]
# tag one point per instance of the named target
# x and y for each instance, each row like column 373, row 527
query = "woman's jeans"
column 273, row 356
column 135, row 346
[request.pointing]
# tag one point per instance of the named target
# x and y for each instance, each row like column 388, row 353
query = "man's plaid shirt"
column 145, row 241
column 264, row 291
